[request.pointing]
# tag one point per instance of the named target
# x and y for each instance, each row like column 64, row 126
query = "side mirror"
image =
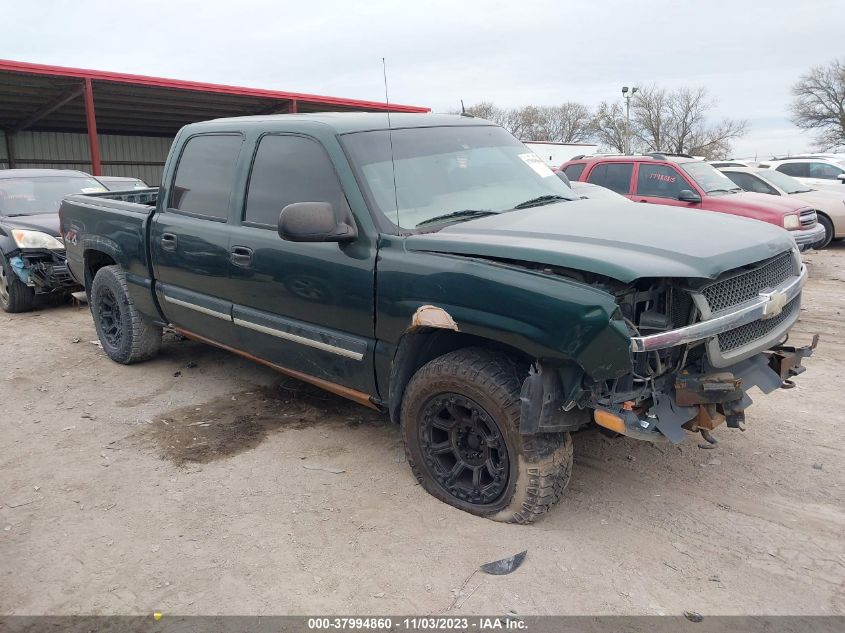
column 316, row 222
column 687, row 195
column 841, row 177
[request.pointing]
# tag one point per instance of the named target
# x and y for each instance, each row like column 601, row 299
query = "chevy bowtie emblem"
column 774, row 303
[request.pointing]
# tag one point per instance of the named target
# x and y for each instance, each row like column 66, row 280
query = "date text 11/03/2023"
column 423, row 623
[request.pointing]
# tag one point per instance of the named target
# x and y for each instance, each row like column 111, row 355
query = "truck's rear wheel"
column 15, row 296
column 124, row 334
column 460, row 421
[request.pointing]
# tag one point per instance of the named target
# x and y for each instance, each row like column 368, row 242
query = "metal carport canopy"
column 59, row 99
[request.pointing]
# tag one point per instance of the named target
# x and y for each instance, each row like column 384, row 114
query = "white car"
column 121, row 183
column 818, row 171
column 718, row 164
column 829, row 204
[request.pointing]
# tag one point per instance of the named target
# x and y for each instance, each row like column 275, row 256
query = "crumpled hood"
column 617, row 239
column 44, row 222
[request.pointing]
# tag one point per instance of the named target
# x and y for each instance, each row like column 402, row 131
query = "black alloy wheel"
column 109, row 316
column 463, row 448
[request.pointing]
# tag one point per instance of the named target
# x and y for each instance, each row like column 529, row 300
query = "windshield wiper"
column 463, row 214
column 735, row 189
column 540, row 201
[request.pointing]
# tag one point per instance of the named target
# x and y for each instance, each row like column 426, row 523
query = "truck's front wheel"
column 124, row 334
column 460, row 421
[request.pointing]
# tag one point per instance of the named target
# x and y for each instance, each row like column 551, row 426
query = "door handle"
column 168, row 241
column 241, row 256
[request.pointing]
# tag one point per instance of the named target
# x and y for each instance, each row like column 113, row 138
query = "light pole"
column 627, row 94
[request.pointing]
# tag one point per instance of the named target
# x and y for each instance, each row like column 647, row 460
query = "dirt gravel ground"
column 201, row 483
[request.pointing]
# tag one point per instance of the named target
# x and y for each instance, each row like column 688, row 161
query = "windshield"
column 710, row 179
column 460, row 172
column 41, row 194
column 779, row 179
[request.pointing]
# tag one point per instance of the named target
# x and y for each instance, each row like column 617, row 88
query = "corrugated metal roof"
column 140, row 105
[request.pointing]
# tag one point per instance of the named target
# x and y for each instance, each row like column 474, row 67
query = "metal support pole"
column 10, row 149
column 93, row 139
column 293, row 107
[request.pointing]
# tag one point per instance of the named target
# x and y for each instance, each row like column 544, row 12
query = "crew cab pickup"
column 693, row 184
column 434, row 268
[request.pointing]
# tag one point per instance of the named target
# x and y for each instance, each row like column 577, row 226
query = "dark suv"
column 686, row 182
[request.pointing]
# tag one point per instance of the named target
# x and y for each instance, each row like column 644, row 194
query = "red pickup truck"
column 694, row 184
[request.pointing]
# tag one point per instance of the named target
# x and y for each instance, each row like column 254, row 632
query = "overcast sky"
column 747, row 53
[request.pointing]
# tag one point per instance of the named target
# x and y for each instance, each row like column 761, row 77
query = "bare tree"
column 676, row 121
column 609, row 127
column 819, row 103
column 488, row 110
column 661, row 121
column 569, row 122
column 650, row 106
column 523, row 122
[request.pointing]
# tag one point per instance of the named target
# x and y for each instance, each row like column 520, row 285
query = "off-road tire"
column 15, row 296
column 125, row 335
column 828, row 232
column 539, row 466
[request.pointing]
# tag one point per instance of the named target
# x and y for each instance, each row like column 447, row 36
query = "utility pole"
column 627, row 94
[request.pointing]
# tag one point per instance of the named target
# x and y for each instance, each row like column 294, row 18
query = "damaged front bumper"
column 43, row 271
column 702, row 401
column 765, row 306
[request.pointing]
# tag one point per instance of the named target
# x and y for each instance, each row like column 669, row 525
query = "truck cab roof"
column 341, row 122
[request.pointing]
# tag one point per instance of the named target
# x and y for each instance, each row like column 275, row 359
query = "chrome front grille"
column 750, row 332
column 746, row 285
column 808, row 218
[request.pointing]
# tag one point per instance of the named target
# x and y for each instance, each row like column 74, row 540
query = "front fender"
column 548, row 317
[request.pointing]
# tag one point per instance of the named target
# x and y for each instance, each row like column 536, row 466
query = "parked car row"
column 694, row 184
column 829, row 204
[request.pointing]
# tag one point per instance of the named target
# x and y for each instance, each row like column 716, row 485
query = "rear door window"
column 205, row 176
column 660, row 181
column 799, row 170
column 573, row 172
column 614, row 176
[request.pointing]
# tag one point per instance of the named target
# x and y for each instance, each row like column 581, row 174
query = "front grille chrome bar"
column 765, row 305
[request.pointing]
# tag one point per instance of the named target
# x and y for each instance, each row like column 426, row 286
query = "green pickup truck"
column 432, row 267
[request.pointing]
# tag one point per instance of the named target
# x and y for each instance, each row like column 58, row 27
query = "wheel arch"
column 422, row 345
column 826, row 216
column 95, row 259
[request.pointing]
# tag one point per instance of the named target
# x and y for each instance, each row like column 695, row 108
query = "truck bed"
column 115, row 223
